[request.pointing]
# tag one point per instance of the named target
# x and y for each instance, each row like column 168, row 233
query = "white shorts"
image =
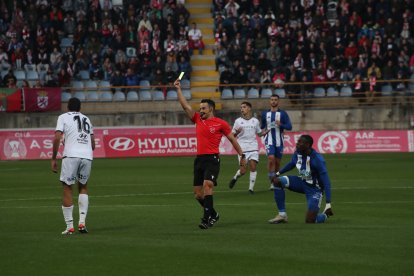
column 74, row 170
column 251, row 155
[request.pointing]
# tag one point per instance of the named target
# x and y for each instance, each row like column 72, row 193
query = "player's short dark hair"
column 247, row 103
column 275, row 95
column 210, row 103
column 74, row 104
column 308, row 139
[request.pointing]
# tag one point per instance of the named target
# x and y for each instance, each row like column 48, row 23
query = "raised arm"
column 185, row 105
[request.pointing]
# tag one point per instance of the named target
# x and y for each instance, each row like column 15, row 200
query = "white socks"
column 252, row 180
column 83, row 202
column 67, row 215
column 237, row 175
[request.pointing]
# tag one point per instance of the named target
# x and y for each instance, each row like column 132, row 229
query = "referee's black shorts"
column 206, row 167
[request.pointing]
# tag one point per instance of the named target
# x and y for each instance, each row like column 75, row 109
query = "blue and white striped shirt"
column 275, row 136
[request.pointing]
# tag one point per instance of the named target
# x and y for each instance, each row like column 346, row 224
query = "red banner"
column 42, row 99
column 10, row 99
column 180, row 141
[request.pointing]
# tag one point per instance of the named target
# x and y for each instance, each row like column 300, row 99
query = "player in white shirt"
column 78, row 140
column 246, row 128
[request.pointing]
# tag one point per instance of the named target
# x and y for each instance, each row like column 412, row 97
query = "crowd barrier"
column 30, row 144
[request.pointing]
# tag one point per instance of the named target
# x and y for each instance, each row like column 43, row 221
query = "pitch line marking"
column 222, row 204
column 184, row 193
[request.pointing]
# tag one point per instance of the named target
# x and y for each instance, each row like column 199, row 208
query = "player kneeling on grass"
column 77, row 158
column 313, row 181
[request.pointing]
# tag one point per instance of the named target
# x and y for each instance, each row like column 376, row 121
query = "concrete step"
column 199, row 10
column 204, row 67
column 204, row 81
column 200, row 15
column 203, row 20
column 205, row 73
column 198, row 5
column 197, row 2
column 203, row 95
column 203, row 62
column 207, row 51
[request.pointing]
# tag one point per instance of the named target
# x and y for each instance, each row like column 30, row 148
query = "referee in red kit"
column 209, row 131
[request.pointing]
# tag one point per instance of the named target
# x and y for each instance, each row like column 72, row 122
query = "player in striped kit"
column 313, row 180
column 276, row 121
column 246, row 128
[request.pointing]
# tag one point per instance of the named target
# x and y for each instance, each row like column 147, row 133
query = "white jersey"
column 247, row 137
column 77, row 130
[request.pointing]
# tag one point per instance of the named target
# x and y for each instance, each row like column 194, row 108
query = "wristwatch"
column 243, row 155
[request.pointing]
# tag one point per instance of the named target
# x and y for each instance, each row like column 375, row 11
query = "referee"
column 209, row 131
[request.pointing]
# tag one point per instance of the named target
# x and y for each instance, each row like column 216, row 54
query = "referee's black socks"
column 208, row 206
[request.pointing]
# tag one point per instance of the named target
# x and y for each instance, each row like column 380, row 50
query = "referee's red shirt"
column 209, row 133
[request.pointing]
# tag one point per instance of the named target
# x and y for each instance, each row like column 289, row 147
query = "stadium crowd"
column 60, row 39
column 313, row 41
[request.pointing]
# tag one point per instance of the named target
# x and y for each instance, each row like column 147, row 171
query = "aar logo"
column 332, row 142
column 14, row 149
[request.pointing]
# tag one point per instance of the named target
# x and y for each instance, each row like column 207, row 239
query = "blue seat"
column 104, row 85
column 144, row 85
column 20, row 75
column 65, row 96
column 332, row 92
column 187, row 94
column 119, row 96
column 185, row 84
column 319, row 92
column 132, row 96
column 239, row 93
column 280, row 92
column 345, row 91
column 32, row 75
column 410, row 88
column 172, row 95
column 227, row 94
column 91, row 85
column 106, row 96
column 158, row 95
column 145, row 95
column 266, row 93
column 80, row 95
column 77, row 84
column 92, row 96
column 84, row 75
column 253, row 93
column 386, row 90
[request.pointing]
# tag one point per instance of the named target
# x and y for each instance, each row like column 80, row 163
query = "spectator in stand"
column 63, row 78
column 226, row 77
column 171, row 62
column 185, row 66
column 117, row 79
column 371, row 92
column 253, row 75
column 195, row 39
column 131, row 78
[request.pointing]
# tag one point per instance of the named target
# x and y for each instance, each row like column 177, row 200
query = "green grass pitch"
column 143, row 221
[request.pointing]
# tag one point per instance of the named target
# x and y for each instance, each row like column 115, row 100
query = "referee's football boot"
column 204, row 224
column 213, row 219
column 232, row 183
column 68, row 231
column 82, row 229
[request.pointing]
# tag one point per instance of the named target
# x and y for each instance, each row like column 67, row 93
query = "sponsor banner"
column 181, row 141
column 42, row 99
